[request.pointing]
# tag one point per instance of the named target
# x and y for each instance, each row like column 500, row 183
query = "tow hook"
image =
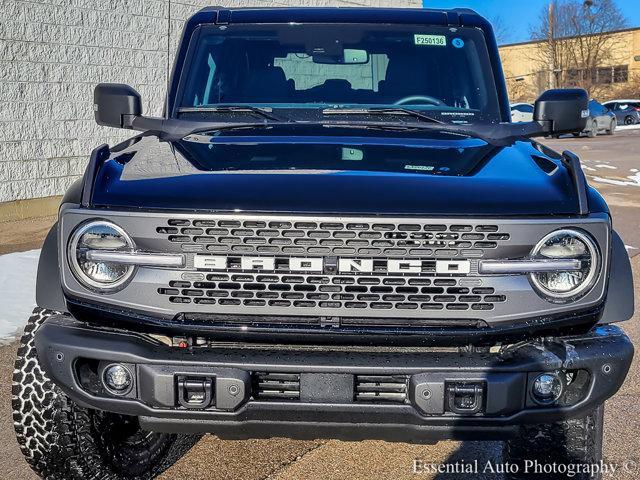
column 465, row 398
column 194, row 392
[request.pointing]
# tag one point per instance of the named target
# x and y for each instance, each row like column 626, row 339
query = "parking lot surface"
column 611, row 165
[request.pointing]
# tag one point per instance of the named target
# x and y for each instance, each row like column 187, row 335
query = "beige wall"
column 527, row 77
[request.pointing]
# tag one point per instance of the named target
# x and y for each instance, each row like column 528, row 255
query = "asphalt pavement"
column 611, row 164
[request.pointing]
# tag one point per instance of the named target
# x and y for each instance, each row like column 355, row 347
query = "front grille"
column 363, row 238
column 281, row 291
column 333, row 270
column 276, row 386
column 381, row 388
column 351, row 292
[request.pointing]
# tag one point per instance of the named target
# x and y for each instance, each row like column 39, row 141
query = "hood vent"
column 381, row 388
column 276, row 386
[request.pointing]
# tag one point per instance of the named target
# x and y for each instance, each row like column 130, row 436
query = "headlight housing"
column 566, row 285
column 99, row 235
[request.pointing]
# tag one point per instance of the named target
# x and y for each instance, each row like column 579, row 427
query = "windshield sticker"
column 458, row 43
column 459, row 114
column 424, row 168
column 430, row 40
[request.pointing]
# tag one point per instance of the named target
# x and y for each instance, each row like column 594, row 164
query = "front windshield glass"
column 441, row 71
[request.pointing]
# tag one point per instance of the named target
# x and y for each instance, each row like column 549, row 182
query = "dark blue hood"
column 522, row 178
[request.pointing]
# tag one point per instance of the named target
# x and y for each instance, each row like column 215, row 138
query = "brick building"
column 53, row 53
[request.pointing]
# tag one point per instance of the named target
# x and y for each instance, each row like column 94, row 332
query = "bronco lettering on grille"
column 317, row 264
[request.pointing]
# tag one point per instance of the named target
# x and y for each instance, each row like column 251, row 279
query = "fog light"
column 117, row 379
column 547, row 388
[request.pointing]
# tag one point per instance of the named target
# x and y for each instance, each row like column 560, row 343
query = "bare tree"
column 629, row 90
column 503, row 33
column 575, row 48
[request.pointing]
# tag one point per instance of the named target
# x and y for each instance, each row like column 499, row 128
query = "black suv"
column 335, row 231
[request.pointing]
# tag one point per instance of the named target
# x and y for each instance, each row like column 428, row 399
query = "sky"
column 517, row 15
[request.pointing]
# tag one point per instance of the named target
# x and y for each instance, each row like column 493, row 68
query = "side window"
column 207, row 88
column 202, row 87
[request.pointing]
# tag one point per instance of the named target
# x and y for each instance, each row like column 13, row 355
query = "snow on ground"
column 628, row 127
column 18, row 287
column 633, row 180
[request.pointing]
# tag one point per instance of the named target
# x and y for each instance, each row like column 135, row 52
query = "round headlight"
column 566, row 244
column 99, row 235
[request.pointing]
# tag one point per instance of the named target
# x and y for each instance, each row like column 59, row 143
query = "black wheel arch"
column 49, row 294
column 619, row 305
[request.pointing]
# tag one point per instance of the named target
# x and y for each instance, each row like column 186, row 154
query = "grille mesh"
column 276, row 386
column 332, row 292
column 382, row 293
column 381, row 388
column 227, row 236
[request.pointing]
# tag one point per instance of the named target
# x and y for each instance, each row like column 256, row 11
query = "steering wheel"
column 420, row 99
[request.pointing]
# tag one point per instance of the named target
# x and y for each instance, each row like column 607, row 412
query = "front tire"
column 576, row 441
column 61, row 440
column 593, row 131
column 612, row 127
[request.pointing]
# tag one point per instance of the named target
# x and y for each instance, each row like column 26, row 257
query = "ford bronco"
column 334, row 231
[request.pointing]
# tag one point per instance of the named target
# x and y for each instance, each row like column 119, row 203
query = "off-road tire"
column 61, row 440
column 575, row 441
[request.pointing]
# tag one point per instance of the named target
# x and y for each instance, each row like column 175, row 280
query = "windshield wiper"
column 264, row 113
column 381, row 111
column 171, row 129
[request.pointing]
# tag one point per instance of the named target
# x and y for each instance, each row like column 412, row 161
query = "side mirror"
column 562, row 111
column 116, row 105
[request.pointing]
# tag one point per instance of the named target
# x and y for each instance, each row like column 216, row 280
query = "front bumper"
column 326, row 400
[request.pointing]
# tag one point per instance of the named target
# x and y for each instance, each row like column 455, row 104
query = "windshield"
column 442, row 71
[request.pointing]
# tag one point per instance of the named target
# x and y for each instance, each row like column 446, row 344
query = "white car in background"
column 521, row 112
column 627, row 111
column 631, row 102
